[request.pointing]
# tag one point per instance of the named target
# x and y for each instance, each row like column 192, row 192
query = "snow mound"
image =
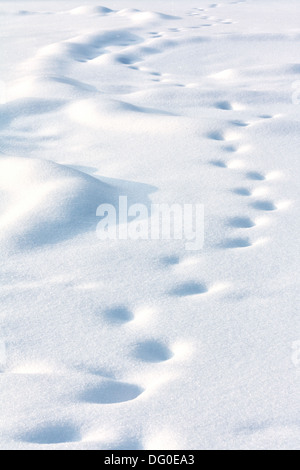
column 91, row 10
column 145, row 16
column 43, row 202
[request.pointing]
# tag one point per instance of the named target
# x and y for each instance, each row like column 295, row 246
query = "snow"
column 143, row 344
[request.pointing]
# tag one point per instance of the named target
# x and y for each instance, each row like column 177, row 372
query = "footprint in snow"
column 118, row 315
column 232, row 243
column 110, row 392
column 218, row 163
column 224, row 105
column 222, row 136
column 216, row 135
column 255, row 176
column 52, row 433
column 266, row 116
column 189, row 288
column 171, row 260
column 152, row 351
column 264, row 205
column 227, row 106
column 239, row 123
column 241, row 222
column 231, row 148
column 242, row 191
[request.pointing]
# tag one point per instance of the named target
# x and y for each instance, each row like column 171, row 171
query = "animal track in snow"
column 266, row 116
column 118, row 314
column 232, row 164
column 170, row 260
column 216, row 135
column 236, row 243
column 110, row 392
column 227, row 106
column 218, row 163
column 222, row 136
column 264, row 205
column 240, row 123
column 189, row 288
column 269, row 205
column 241, row 222
column 52, row 433
column 242, row 191
column 224, row 105
column 152, row 351
column 231, row 148
column 255, row 176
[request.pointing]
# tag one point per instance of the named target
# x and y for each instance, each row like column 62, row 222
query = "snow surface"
column 141, row 344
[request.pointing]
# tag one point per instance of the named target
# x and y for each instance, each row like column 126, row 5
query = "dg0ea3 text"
column 171, row 459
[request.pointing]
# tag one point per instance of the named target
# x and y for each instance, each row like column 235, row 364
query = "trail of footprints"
column 108, row 392
column 207, row 19
column 133, row 48
column 152, row 351
column 258, row 199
